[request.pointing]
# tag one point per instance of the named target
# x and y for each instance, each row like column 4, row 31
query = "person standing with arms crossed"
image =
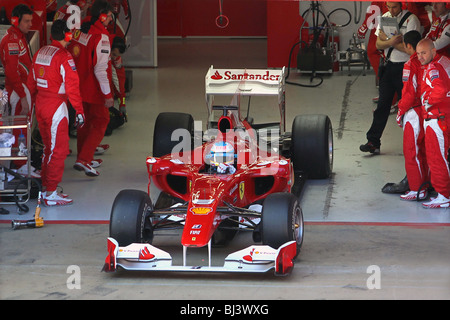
column 53, row 79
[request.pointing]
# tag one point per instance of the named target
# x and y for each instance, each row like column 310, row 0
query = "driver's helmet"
column 221, row 152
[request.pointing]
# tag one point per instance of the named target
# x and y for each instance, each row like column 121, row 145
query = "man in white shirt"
column 390, row 72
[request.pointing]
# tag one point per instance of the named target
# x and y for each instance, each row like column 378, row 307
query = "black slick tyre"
column 312, row 145
column 129, row 220
column 282, row 220
column 165, row 126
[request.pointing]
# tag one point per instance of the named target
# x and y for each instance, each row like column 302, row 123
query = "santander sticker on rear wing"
column 245, row 81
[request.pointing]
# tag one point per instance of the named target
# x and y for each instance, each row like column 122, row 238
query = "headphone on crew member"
column 18, row 12
column 15, row 21
column 68, row 36
column 103, row 17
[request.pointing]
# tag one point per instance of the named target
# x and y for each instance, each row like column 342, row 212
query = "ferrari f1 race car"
column 238, row 176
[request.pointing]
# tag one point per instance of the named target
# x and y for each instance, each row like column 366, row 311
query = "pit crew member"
column 91, row 51
column 410, row 117
column 16, row 59
column 435, row 86
column 53, row 79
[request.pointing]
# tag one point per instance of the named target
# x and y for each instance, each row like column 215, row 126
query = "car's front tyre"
column 282, row 220
column 129, row 220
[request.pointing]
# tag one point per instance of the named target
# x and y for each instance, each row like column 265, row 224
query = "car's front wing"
column 256, row 259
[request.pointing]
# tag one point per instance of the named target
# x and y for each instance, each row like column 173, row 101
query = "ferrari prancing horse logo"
column 241, row 190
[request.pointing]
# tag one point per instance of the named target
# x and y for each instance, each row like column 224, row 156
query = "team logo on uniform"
column 405, row 75
column 41, row 72
column 434, row 74
column 13, row 49
column 76, row 50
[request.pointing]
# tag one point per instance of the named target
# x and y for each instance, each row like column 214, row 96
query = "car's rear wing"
column 245, row 82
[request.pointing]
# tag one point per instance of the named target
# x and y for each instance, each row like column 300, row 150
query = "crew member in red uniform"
column 410, row 117
column 91, row 51
column 440, row 29
column 16, row 60
column 435, row 86
column 53, row 80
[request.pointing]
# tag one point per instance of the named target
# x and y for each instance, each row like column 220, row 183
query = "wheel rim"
column 298, row 226
column 330, row 148
column 147, row 226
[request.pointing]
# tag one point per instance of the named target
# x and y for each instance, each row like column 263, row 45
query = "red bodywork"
column 183, row 176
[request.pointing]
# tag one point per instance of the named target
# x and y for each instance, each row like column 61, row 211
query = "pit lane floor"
column 350, row 224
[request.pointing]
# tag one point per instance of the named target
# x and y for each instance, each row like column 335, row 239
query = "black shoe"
column 370, row 147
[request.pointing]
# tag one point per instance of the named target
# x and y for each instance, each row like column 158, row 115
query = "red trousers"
column 437, row 144
column 91, row 134
column 414, row 148
column 53, row 120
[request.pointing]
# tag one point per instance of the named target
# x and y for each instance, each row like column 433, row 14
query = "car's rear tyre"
column 166, row 123
column 129, row 220
column 312, row 145
column 282, row 220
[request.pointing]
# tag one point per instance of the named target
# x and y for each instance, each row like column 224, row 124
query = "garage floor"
column 350, row 223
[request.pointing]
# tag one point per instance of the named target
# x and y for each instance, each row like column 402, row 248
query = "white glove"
column 426, row 105
column 79, row 120
column 222, row 168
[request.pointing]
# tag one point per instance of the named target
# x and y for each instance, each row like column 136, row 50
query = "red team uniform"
column 54, row 77
column 91, row 52
column 413, row 133
column 440, row 34
column 435, row 86
column 16, row 59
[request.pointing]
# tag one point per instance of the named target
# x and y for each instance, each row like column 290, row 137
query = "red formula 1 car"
column 239, row 176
